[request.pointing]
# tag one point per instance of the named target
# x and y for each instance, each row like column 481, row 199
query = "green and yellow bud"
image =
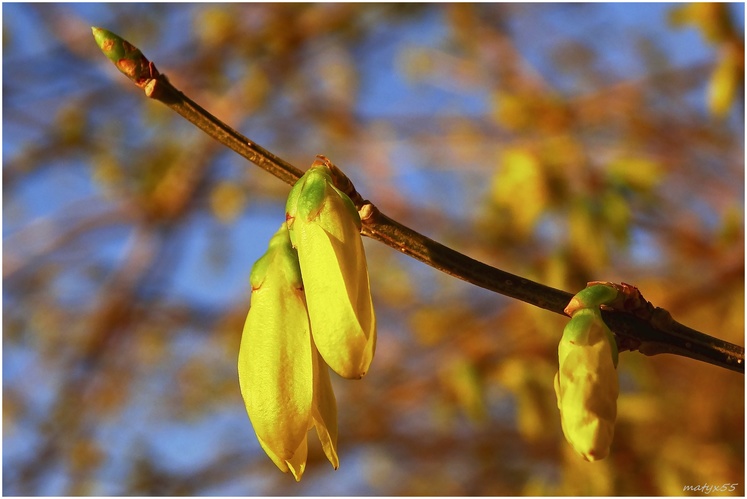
column 586, row 384
column 284, row 382
column 324, row 228
column 125, row 56
column 592, row 297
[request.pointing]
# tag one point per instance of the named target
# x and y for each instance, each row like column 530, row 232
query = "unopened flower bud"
column 324, row 228
column 586, row 384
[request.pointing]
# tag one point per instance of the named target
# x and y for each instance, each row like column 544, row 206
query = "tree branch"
column 651, row 333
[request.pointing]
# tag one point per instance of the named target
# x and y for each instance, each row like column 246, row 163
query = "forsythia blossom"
column 311, row 307
column 325, row 227
column 284, row 381
column 586, row 383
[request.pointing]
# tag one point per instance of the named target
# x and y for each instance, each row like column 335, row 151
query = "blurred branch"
column 43, row 236
column 649, row 335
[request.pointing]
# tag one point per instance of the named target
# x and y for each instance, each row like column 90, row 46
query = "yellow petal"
column 275, row 357
column 339, row 300
column 296, row 464
column 324, row 411
column 586, row 328
column 325, row 229
column 586, row 385
column 588, row 407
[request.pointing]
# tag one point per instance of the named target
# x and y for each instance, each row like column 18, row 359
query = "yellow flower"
column 284, row 382
column 325, row 227
column 586, row 384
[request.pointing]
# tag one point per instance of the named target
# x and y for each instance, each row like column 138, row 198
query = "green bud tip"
column 125, row 56
column 592, row 297
column 309, row 194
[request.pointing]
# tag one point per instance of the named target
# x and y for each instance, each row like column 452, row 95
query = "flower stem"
column 652, row 334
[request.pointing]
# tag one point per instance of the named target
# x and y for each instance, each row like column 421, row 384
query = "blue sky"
column 384, row 94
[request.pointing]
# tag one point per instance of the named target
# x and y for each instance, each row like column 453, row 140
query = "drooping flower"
column 284, row 381
column 586, row 384
column 324, row 228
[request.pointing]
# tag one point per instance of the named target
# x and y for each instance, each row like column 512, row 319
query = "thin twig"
column 161, row 89
column 655, row 334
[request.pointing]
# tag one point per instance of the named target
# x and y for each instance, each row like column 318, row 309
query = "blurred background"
column 563, row 143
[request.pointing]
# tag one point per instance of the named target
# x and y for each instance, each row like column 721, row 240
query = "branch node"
column 367, row 211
